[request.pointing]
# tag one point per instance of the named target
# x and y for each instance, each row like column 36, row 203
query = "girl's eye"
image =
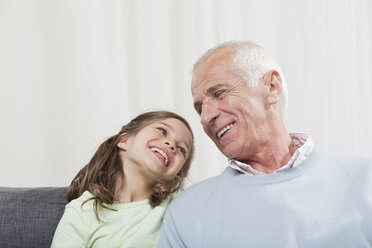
column 163, row 131
column 182, row 150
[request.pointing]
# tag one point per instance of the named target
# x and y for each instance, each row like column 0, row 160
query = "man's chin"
column 229, row 153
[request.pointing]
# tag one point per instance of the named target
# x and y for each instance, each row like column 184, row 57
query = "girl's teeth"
column 161, row 153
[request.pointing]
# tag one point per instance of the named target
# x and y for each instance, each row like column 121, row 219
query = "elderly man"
column 278, row 189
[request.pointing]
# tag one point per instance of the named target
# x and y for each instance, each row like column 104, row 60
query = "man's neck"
column 275, row 154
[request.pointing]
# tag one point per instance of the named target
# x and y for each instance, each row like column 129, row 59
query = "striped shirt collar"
column 301, row 140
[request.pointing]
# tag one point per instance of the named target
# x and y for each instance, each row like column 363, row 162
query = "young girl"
column 118, row 199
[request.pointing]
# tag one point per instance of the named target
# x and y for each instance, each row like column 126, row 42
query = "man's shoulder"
column 349, row 162
column 202, row 187
column 197, row 194
column 346, row 157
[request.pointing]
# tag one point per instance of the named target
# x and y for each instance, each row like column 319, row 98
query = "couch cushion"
column 29, row 216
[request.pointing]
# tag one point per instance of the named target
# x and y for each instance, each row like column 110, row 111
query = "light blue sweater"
column 326, row 201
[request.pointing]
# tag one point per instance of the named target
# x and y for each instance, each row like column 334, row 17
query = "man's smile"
column 224, row 130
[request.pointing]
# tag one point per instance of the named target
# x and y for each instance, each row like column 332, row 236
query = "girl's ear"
column 123, row 143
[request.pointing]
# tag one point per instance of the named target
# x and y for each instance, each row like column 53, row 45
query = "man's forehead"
column 222, row 53
column 210, row 69
column 220, row 56
column 204, row 80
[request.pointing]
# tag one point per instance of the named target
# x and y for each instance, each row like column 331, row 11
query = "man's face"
column 233, row 114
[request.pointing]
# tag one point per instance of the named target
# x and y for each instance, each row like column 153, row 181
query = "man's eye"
column 163, row 131
column 219, row 93
column 182, row 150
column 198, row 110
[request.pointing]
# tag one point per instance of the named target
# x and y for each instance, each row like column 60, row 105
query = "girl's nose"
column 171, row 145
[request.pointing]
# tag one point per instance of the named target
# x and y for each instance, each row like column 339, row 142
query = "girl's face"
column 159, row 150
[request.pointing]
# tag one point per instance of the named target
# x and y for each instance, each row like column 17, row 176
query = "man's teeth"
column 223, row 131
column 162, row 153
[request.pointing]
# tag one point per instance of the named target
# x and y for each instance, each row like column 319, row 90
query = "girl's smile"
column 161, row 154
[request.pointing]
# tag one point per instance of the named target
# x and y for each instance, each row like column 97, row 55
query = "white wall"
column 73, row 72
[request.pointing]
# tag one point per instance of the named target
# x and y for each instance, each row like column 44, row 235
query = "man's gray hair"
column 251, row 62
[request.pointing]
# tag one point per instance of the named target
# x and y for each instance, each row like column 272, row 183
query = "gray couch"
column 29, row 216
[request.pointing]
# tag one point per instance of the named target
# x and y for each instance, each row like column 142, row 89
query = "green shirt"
column 134, row 224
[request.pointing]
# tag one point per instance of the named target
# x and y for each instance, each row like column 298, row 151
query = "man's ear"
column 123, row 143
column 273, row 83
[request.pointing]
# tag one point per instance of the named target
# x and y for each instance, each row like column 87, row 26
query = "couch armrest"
column 29, row 216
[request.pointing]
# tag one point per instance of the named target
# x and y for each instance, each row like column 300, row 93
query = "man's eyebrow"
column 210, row 91
column 171, row 128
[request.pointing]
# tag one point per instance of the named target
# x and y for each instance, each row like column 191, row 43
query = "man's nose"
column 209, row 113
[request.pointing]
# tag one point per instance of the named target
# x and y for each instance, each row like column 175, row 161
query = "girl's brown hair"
column 101, row 175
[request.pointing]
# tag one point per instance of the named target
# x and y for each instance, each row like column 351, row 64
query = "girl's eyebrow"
column 171, row 128
column 167, row 125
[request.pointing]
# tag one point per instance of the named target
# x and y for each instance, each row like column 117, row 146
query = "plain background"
column 73, row 72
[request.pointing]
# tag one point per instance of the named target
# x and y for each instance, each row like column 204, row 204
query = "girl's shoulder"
column 81, row 201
